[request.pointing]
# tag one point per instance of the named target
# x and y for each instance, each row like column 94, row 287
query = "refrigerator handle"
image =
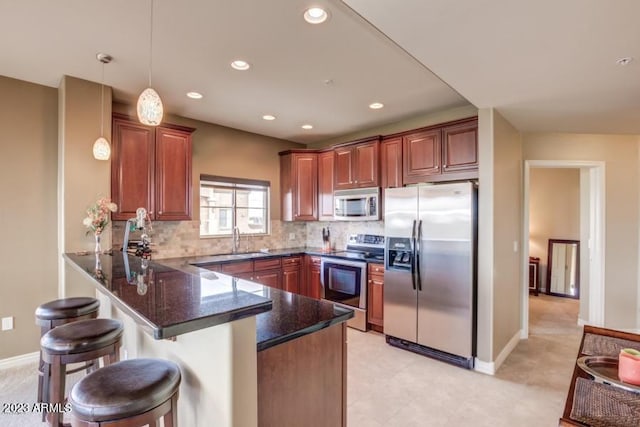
column 418, row 255
column 413, row 255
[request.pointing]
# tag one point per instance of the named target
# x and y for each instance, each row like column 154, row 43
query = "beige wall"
column 28, row 168
column 620, row 154
column 404, row 125
column 81, row 178
column 507, row 232
column 554, row 210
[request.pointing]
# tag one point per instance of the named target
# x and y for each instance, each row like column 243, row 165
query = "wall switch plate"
column 7, row 323
column 292, row 236
column 515, row 246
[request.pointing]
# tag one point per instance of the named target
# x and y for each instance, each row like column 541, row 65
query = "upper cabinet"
column 443, row 153
column 325, row 185
column 357, row 165
column 391, row 162
column 299, row 185
column 151, row 168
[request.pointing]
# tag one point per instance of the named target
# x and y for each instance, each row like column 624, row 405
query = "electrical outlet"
column 515, row 246
column 292, row 236
column 7, row 323
column 125, row 355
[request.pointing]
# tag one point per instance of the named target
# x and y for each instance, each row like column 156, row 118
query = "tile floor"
column 392, row 387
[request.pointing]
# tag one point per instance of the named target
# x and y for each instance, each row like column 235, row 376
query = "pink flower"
column 98, row 215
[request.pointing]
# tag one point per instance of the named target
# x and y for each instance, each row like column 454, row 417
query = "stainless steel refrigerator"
column 430, row 270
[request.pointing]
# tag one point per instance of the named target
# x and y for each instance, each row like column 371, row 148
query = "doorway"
column 591, row 233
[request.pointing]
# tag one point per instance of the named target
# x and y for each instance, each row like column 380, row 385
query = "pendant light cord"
column 150, row 41
column 102, row 103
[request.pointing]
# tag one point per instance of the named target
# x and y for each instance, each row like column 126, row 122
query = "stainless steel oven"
column 344, row 282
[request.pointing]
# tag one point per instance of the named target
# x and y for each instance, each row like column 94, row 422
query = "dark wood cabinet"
column 460, row 147
column 441, row 153
column 421, row 156
column 391, row 163
column 291, row 274
column 357, row 164
column 132, row 168
column 173, row 174
column 299, row 185
column 375, row 297
column 325, row 185
column 311, row 285
column 272, row 278
column 151, row 168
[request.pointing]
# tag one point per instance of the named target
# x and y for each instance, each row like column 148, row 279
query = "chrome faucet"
column 235, row 240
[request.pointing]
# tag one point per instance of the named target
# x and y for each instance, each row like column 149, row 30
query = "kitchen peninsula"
column 250, row 355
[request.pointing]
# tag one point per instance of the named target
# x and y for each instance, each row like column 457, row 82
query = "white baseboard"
column 490, row 368
column 484, row 367
column 581, row 322
column 22, row 359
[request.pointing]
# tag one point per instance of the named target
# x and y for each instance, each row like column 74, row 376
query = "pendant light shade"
column 150, row 109
column 102, row 148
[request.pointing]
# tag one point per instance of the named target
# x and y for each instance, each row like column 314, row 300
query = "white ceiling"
column 546, row 65
column 195, row 41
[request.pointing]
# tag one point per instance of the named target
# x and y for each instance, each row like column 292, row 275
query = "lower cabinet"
column 375, row 297
column 297, row 274
column 271, row 278
column 312, row 286
column 291, row 273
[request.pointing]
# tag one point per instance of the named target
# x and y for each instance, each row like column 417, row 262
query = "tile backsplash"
column 172, row 239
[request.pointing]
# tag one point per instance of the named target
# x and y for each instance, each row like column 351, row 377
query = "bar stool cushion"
column 67, row 307
column 81, row 336
column 124, row 389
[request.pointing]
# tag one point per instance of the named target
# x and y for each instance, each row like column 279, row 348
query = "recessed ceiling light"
column 240, row 65
column 307, row 127
column 194, row 95
column 376, row 105
column 315, row 15
column 268, row 117
column 624, row 61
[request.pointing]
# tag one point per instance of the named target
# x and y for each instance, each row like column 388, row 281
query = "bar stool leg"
column 170, row 419
column 58, row 375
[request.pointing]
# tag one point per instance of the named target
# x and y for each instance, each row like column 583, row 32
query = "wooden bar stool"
column 131, row 393
column 81, row 341
column 60, row 312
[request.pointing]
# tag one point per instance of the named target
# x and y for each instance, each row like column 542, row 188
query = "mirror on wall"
column 563, row 274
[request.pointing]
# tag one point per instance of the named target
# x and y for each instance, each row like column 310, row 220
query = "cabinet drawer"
column 238, row 267
column 314, row 260
column 375, row 268
column 291, row 262
column 266, row 264
column 212, row 267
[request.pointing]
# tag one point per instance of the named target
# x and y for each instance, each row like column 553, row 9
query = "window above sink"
column 226, row 203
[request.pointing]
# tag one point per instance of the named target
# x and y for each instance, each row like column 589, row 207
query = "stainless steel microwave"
column 359, row 204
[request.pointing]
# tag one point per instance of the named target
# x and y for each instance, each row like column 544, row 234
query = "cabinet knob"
column 444, row 166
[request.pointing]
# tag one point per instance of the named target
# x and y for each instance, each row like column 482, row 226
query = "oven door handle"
column 413, row 255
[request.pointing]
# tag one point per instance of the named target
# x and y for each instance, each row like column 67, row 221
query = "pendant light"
column 101, row 148
column 150, row 108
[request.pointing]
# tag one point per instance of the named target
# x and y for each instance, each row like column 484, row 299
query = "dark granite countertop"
column 293, row 316
column 167, row 302
column 185, row 298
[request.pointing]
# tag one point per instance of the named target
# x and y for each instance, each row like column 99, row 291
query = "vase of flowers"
column 97, row 219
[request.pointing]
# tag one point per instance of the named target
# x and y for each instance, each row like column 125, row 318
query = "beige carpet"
column 392, row 387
